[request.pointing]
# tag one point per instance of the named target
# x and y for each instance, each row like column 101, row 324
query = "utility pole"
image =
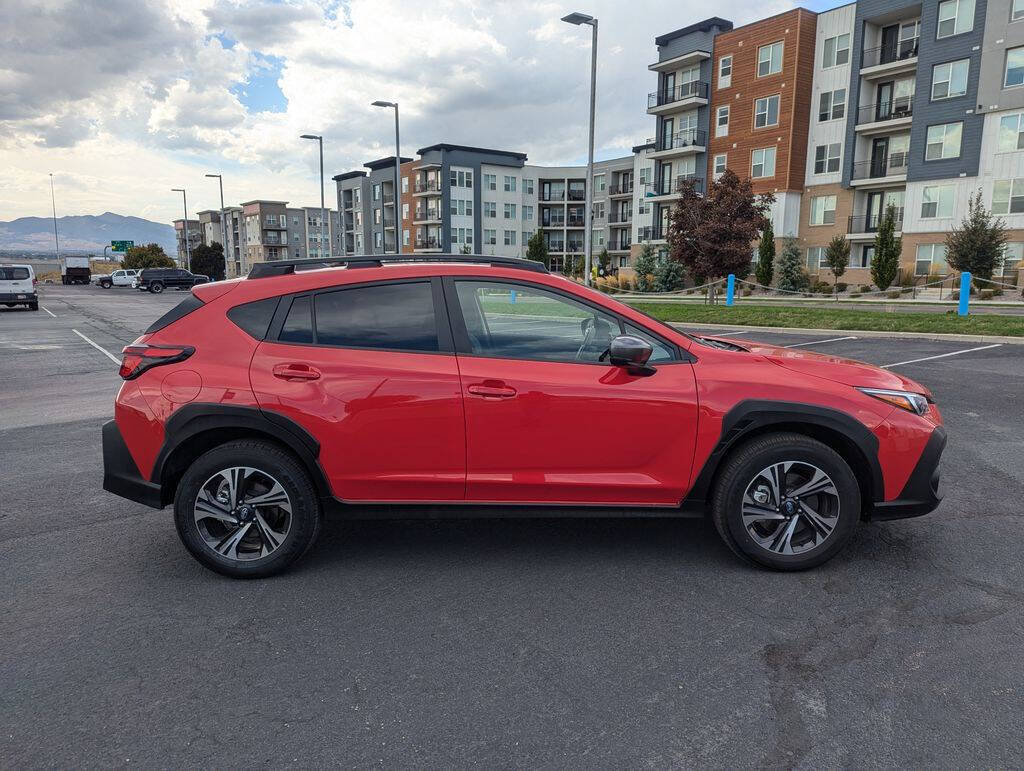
column 53, row 202
column 323, row 211
column 184, row 202
column 398, row 173
column 223, row 222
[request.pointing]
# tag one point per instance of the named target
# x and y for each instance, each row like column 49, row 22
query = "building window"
column 490, row 182
column 510, row 184
column 376, row 192
column 725, row 71
column 1011, row 132
column 836, row 50
column 490, row 237
column 769, row 59
column 823, row 210
column 815, row 258
column 722, row 122
column 598, row 210
column 376, row 216
column 826, row 158
column 528, row 186
column 1014, row 74
column 766, row 111
column 762, row 163
column 528, row 212
column 490, row 209
column 405, row 184
column 931, row 258
column 943, row 141
column 645, row 175
column 937, row 201
column 378, row 239
column 955, row 17
column 599, row 183
column 719, row 164
column 510, row 211
column 950, row 79
column 1017, row 10
column 832, row 105
column 405, row 236
column 405, row 211
column 510, row 238
column 1013, row 253
column 1008, row 196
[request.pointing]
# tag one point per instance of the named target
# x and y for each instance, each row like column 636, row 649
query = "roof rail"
column 285, row 267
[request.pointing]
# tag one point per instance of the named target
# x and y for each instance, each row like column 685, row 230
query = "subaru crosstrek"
column 485, row 386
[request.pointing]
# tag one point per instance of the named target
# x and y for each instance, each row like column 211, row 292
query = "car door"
column 370, row 371
column 547, row 420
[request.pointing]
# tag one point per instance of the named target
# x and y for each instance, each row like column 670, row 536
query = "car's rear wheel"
column 786, row 501
column 106, row 284
column 156, row 287
column 247, row 509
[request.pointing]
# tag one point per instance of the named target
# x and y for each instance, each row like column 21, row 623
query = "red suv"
column 486, row 386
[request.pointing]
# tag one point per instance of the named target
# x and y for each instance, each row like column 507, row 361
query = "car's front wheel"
column 156, row 287
column 247, row 509
column 786, row 501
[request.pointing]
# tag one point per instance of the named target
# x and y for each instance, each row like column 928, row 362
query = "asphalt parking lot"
column 532, row 643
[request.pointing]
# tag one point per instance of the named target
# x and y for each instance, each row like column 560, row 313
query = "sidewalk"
column 721, row 329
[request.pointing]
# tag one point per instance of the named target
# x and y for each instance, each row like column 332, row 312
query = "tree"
column 669, row 275
column 837, row 257
column 208, row 261
column 791, row 274
column 978, row 244
column 466, row 249
column 711, row 234
column 766, row 255
column 885, row 265
column 645, row 265
column 536, row 249
column 148, row 256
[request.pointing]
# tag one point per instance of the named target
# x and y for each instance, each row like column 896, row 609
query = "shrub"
column 986, row 294
column 612, row 281
column 906, row 290
column 865, row 288
column 894, row 295
column 748, row 292
column 841, row 286
column 855, row 294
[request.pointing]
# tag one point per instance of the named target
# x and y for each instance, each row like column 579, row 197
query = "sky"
column 122, row 100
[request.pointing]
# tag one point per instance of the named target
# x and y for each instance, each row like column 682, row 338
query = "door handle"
column 492, row 389
column 296, row 371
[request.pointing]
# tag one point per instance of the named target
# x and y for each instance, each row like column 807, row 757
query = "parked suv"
column 18, row 286
column 157, row 279
column 485, row 386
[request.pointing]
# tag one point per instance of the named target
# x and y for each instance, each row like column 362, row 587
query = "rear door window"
column 298, row 324
column 392, row 317
column 13, row 274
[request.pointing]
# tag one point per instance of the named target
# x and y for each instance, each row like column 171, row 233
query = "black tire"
column 156, row 287
column 742, row 470
column 268, row 459
column 106, row 284
column 33, row 306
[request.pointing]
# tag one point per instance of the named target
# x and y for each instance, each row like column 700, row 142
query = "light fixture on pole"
column 582, row 18
column 184, row 203
column 53, row 201
column 223, row 224
column 398, row 168
column 323, row 211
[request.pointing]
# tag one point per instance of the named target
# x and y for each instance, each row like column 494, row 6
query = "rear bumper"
column 120, row 474
column 921, row 493
column 18, row 297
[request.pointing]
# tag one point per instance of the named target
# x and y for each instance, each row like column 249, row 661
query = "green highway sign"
column 121, row 246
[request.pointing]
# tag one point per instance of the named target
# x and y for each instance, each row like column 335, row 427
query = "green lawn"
column 846, row 320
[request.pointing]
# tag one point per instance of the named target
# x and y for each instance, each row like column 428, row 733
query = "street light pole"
column 582, row 18
column 223, row 224
column 398, row 170
column 184, row 203
column 53, row 201
column 323, row 211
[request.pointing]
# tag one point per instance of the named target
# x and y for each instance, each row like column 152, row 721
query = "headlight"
column 911, row 402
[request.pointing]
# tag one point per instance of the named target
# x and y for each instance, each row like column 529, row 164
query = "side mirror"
column 631, row 352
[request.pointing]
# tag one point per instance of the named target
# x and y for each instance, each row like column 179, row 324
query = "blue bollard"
column 965, row 292
column 512, row 296
column 730, row 289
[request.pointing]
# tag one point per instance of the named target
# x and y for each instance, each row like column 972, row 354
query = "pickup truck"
column 124, row 277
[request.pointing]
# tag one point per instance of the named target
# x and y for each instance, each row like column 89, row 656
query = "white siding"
column 830, row 24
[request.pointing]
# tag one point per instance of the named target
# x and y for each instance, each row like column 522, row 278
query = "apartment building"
column 195, row 237
column 272, row 230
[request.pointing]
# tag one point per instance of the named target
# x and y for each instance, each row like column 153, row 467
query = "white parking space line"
column 819, row 342
column 104, row 351
column 942, row 355
column 48, row 311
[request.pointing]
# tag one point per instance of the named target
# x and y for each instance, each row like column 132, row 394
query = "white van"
column 18, row 286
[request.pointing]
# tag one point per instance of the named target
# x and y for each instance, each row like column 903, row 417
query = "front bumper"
column 120, row 474
column 18, row 297
column 921, row 493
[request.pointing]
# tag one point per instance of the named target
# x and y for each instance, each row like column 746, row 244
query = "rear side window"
column 254, row 318
column 179, row 311
column 385, row 316
column 13, row 274
column 298, row 326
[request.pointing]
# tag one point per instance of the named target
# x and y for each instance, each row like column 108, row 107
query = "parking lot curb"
column 858, row 332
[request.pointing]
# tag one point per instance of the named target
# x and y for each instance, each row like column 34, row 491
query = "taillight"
column 138, row 358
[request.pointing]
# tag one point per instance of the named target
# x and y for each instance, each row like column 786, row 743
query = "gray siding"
column 684, row 44
column 1000, row 35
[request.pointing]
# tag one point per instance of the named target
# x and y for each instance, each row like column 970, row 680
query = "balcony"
column 556, row 246
column 273, row 239
column 551, row 195
column 680, row 143
column 388, row 198
column 553, row 222
column 427, row 187
column 866, row 225
column 890, row 59
column 887, row 170
column 427, row 243
column 619, row 245
column 574, row 247
column 575, row 222
column 577, row 195
column 673, row 186
column 624, row 188
column 882, row 117
column 620, row 217
column 684, row 95
column 426, row 215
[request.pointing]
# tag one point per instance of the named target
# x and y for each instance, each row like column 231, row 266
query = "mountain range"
column 83, row 233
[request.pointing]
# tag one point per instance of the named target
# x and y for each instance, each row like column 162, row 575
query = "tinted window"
column 516, row 321
column 389, row 316
column 298, row 327
column 254, row 317
column 179, row 311
column 13, row 274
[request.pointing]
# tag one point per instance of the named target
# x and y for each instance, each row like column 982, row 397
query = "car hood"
column 834, row 368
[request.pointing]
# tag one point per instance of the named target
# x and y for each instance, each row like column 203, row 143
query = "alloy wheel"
column 243, row 513
column 790, row 507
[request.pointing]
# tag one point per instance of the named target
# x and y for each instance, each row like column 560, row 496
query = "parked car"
column 123, row 277
column 485, row 385
column 18, row 286
column 156, row 280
